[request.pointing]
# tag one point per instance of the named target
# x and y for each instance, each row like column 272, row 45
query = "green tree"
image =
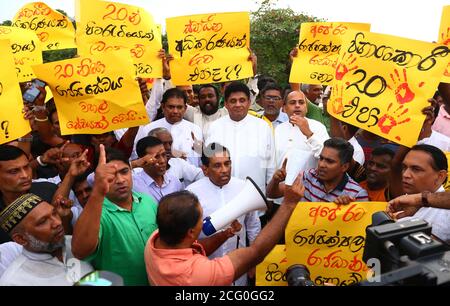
column 6, row 23
column 274, row 32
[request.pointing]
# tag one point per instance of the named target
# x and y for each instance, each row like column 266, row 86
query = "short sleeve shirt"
column 122, row 238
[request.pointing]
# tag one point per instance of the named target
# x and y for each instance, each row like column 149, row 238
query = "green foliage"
column 274, row 32
column 6, row 23
column 58, row 55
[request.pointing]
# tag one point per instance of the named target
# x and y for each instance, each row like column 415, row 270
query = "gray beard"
column 39, row 246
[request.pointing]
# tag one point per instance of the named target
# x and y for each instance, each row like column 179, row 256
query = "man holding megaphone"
column 174, row 258
column 219, row 192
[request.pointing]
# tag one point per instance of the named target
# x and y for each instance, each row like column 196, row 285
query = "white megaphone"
column 249, row 199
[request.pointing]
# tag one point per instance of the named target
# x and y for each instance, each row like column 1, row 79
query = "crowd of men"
column 132, row 201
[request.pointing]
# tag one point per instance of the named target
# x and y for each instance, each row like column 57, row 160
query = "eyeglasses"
column 272, row 98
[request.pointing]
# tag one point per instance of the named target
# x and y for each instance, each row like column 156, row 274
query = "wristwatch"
column 425, row 199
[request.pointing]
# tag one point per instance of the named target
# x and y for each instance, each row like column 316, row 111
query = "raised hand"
column 147, row 159
column 54, row 156
column 293, row 194
column 302, row 123
column 105, row 174
column 63, row 206
column 280, row 174
column 197, row 145
column 234, row 228
column 79, row 165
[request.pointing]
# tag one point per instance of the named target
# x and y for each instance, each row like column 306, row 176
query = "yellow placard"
column 447, row 183
column 104, row 26
column 383, row 82
column 94, row 95
column 12, row 123
column 329, row 239
column 54, row 30
column 209, row 48
column 318, row 50
column 444, row 38
column 26, row 50
column 272, row 270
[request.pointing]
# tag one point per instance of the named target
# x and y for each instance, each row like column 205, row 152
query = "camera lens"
column 298, row 275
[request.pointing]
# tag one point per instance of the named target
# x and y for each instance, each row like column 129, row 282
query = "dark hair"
column 210, row 150
column 351, row 128
column 115, row 154
column 236, row 86
column 344, row 148
column 271, row 86
column 174, row 93
column 196, row 89
column 8, row 152
column 378, row 151
column 177, row 213
column 439, row 159
column 146, row 142
column 263, row 81
column 80, row 179
column 210, row 86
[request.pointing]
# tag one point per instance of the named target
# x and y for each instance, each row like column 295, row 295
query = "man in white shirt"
column 424, row 170
column 217, row 190
column 46, row 259
column 249, row 139
column 184, row 133
column 299, row 133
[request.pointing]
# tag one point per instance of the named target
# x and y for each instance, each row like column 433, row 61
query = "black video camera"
column 406, row 253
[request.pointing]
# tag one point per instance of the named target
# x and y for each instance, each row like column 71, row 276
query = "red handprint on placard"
column 403, row 92
column 445, row 37
column 387, row 122
column 343, row 67
column 336, row 104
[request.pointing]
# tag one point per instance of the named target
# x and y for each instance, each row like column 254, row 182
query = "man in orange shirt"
column 174, row 257
column 378, row 171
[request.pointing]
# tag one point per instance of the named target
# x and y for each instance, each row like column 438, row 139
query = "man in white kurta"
column 218, row 189
column 174, row 106
column 249, row 139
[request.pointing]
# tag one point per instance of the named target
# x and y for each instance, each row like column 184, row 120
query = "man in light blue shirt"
column 154, row 179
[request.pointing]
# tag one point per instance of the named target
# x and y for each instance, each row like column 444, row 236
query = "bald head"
column 295, row 104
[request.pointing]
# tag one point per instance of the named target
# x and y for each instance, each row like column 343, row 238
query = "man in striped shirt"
column 329, row 182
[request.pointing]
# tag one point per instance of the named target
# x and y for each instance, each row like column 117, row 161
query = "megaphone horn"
column 249, row 199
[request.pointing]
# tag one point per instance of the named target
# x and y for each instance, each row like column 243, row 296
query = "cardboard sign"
column 104, row 26
column 209, row 48
column 54, row 30
column 444, row 37
column 95, row 95
column 12, row 123
column 329, row 239
column 272, row 271
column 26, row 50
column 318, row 50
column 383, row 82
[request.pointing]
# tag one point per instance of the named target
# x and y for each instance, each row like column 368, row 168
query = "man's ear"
column 205, row 170
column 442, row 175
column 19, row 238
column 345, row 166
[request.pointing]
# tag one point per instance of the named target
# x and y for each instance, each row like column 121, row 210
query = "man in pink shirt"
column 442, row 122
column 174, row 257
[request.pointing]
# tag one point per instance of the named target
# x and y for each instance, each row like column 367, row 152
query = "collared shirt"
column 251, row 145
column 315, row 190
column 195, row 115
column 122, row 238
column 442, row 122
column 186, row 267
column 358, row 152
column 212, row 198
column 43, row 269
column 9, row 251
column 282, row 117
column 438, row 218
column 142, row 182
column 181, row 133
